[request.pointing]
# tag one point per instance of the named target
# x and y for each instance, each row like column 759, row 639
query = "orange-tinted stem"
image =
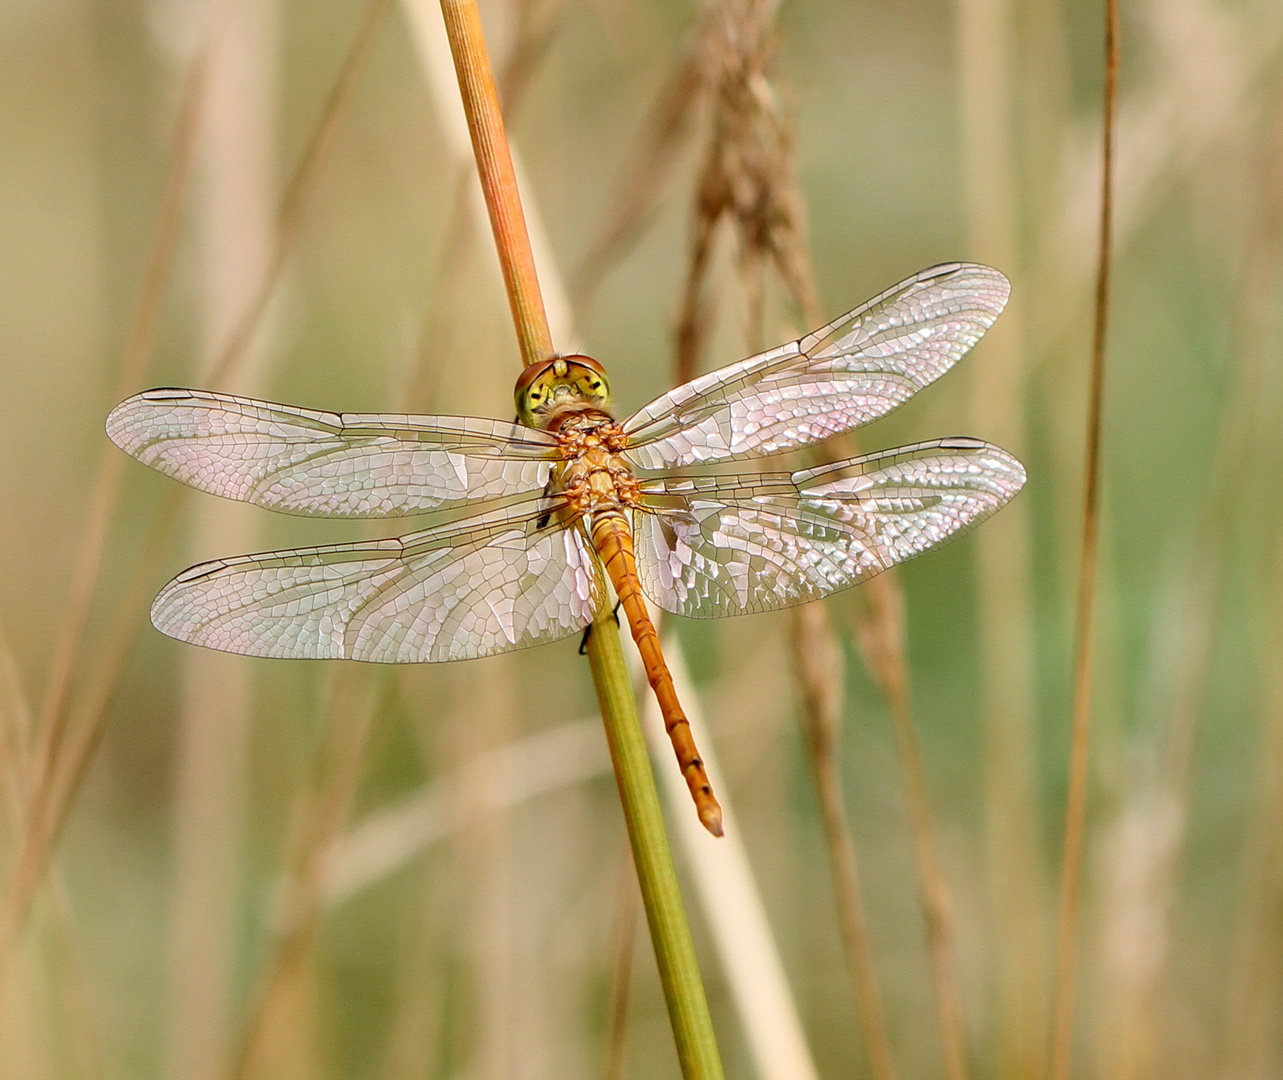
column 498, row 178
column 614, row 543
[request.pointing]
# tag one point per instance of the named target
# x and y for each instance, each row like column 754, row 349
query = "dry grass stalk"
column 674, row 950
column 882, row 642
column 1076, row 807
column 56, row 783
column 748, row 179
column 1015, row 894
column 1187, row 636
column 498, row 179
column 818, row 657
column 351, row 715
column 50, row 726
column 733, row 906
column 621, row 980
column 236, row 211
column 1255, row 998
column 536, row 23
column 747, row 182
column 1210, row 64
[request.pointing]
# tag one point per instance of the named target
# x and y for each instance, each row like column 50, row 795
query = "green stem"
column 674, row 950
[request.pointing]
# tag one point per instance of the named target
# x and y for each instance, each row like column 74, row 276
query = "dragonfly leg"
column 583, row 642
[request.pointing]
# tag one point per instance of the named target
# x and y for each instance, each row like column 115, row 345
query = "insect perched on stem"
column 569, row 497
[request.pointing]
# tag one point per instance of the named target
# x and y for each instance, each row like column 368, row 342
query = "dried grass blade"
column 60, row 778
column 622, row 977
column 295, row 201
column 1076, row 805
column 51, row 724
column 216, row 704
column 884, row 650
column 674, row 951
column 1003, row 562
column 351, row 716
column 818, row 658
column 498, row 178
column 731, row 902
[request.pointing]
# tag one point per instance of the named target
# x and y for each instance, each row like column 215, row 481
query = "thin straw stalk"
column 214, row 722
column 498, row 178
column 670, row 934
column 622, row 979
column 885, row 648
column 748, row 182
column 72, row 738
column 351, row 715
column 674, row 950
column 1003, row 553
column 819, row 666
column 734, row 910
column 51, row 724
column 1076, row 809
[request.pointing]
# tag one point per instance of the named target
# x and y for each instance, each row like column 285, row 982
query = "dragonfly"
column 567, row 503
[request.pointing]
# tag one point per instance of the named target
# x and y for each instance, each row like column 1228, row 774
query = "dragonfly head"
column 546, row 392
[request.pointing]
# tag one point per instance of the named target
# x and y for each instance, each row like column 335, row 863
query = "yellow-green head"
column 548, row 391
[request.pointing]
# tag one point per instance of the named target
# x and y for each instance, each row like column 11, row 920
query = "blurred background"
column 227, row 867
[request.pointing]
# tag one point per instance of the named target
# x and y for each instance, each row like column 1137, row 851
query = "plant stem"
column 1062, row 1028
column 674, row 950
column 670, row 933
column 498, row 179
column 818, row 662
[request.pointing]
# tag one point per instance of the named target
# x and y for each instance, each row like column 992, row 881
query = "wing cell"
column 848, row 373
column 730, row 544
column 301, row 461
column 490, row 584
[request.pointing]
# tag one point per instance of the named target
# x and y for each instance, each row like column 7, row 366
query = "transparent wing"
column 724, row 545
column 843, row 375
column 499, row 581
column 300, row 461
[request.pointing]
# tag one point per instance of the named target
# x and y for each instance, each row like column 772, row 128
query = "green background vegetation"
column 491, row 953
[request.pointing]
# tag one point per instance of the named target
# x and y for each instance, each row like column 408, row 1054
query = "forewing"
column 845, row 374
column 724, row 545
column 493, row 583
column 300, row 461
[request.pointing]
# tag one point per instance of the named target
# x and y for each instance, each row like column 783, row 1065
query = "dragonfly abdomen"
column 613, row 540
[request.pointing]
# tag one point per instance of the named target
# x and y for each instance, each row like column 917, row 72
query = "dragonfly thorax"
column 548, row 392
column 595, row 478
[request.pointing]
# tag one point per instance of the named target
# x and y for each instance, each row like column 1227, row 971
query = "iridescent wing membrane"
column 490, row 583
column 729, row 544
column 516, row 575
column 301, row 461
column 848, row 373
